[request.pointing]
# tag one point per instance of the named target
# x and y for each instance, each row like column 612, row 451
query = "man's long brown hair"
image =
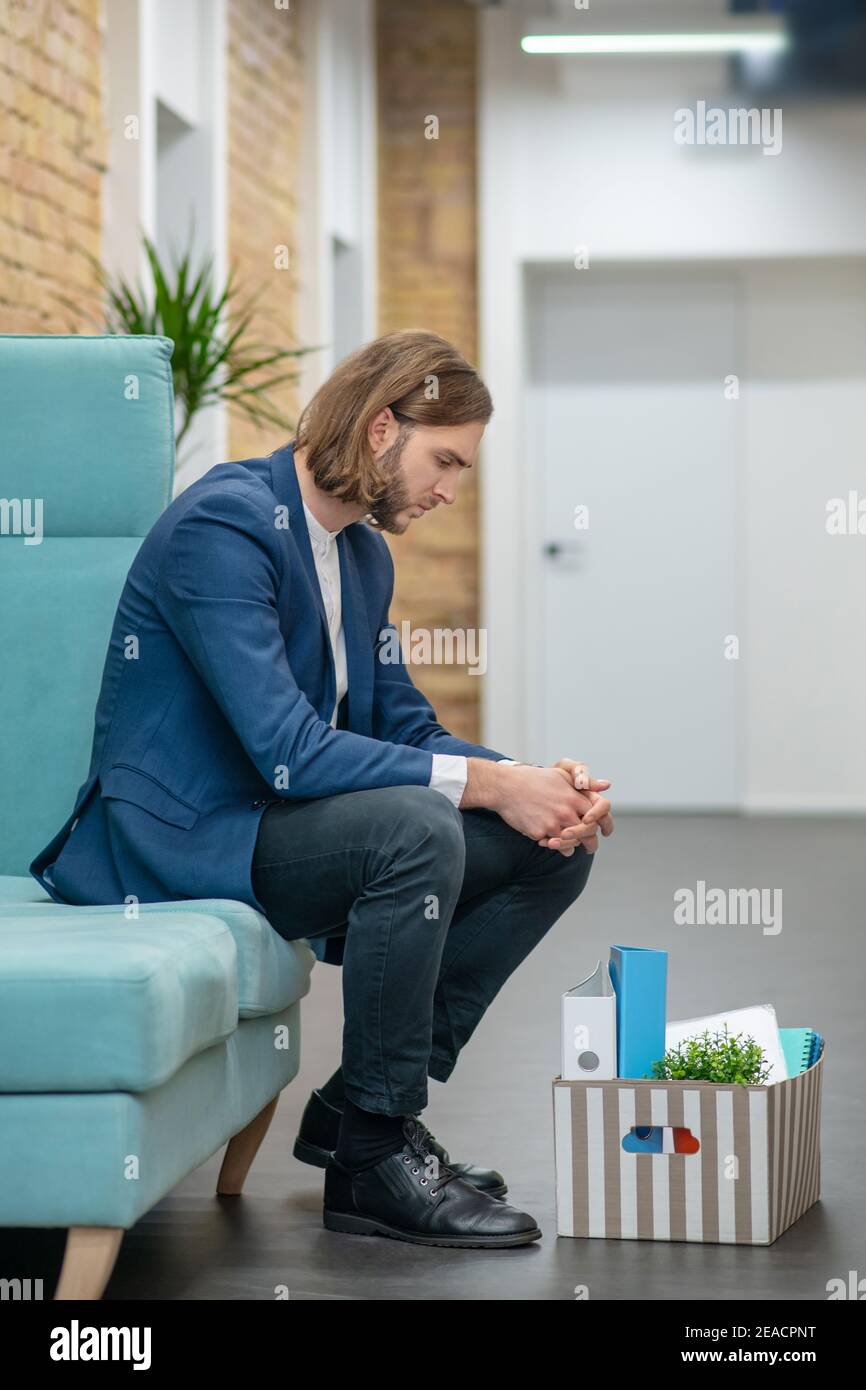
column 424, row 380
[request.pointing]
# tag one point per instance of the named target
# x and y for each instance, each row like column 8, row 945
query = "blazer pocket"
column 125, row 783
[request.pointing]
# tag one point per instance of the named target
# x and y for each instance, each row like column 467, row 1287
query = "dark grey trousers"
column 439, row 907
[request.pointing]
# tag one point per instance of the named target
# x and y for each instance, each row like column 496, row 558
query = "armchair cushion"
column 96, row 1003
column 271, row 972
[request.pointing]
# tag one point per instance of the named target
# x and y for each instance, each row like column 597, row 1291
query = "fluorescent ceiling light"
column 656, row 43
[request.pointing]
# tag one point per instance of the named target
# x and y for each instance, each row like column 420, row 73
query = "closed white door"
column 632, row 461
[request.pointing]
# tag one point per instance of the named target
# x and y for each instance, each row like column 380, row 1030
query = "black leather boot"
column 411, row 1196
column 320, row 1129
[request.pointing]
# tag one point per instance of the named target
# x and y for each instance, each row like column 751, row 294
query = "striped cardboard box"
column 757, row 1170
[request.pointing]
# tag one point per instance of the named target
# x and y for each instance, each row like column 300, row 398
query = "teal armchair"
column 135, row 1040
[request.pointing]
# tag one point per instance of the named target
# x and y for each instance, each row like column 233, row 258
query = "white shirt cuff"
column 449, row 775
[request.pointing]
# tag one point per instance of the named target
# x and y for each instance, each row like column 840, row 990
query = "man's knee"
column 580, row 864
column 571, row 870
column 418, row 813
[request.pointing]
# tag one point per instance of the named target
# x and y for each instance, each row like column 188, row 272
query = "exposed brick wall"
column 266, row 94
column 53, row 144
column 427, row 279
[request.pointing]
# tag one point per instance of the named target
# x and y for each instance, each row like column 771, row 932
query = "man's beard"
column 395, row 498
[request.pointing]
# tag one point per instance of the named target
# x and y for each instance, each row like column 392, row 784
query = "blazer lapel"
column 287, row 490
column 356, row 628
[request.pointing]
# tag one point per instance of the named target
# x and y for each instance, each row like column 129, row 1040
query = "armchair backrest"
column 86, row 467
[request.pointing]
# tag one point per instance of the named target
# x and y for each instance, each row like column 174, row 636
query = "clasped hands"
column 595, row 810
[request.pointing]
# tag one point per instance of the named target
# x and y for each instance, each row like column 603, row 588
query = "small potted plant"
column 718, row 1057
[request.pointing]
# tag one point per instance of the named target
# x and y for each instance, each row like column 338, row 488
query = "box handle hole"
column 660, row 1139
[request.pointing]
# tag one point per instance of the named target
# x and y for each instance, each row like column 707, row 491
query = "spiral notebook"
column 802, row 1048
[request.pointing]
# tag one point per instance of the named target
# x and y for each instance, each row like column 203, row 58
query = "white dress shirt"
column 449, row 772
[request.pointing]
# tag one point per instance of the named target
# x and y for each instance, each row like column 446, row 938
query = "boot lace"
column 418, row 1138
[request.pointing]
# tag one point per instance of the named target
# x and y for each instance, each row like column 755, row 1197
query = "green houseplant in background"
column 215, row 356
column 718, row 1057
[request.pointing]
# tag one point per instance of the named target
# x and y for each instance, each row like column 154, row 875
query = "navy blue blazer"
column 217, row 692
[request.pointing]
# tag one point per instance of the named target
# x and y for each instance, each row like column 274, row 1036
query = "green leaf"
column 215, row 356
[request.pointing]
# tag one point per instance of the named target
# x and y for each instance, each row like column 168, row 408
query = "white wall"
column 165, row 66
column 573, row 155
column 337, row 244
column 804, row 657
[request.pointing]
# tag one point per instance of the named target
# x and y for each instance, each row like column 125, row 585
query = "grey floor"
column 497, row 1108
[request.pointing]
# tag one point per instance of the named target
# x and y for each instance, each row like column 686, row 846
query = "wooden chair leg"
column 88, row 1261
column 242, row 1149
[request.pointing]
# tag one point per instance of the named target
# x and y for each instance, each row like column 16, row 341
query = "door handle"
column 552, row 549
